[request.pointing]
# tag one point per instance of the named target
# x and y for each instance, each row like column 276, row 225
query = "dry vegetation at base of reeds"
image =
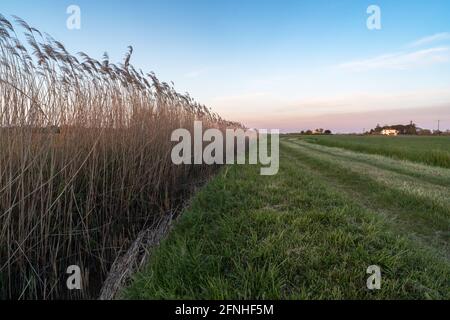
column 84, row 161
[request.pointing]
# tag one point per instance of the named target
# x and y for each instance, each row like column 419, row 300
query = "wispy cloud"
column 195, row 73
column 360, row 101
column 400, row 61
column 431, row 39
column 243, row 97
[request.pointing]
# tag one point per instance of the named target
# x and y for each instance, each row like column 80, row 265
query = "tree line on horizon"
column 319, row 131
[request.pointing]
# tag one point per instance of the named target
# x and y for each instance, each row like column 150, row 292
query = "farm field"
column 311, row 231
column 425, row 149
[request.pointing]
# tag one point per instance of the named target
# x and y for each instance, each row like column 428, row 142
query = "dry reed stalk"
column 84, row 158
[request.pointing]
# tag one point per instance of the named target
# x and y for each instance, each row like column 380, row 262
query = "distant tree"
column 328, row 132
column 309, row 132
column 411, row 128
column 377, row 129
column 424, row 132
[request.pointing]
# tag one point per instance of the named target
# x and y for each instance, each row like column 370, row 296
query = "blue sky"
column 275, row 64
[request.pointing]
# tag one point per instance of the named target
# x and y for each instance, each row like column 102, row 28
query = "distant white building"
column 389, row 132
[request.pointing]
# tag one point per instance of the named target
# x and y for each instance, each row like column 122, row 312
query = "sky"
column 278, row 64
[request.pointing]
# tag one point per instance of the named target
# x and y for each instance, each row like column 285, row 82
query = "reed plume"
column 84, row 161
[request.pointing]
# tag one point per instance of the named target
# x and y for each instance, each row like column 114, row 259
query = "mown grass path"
column 413, row 197
column 430, row 150
column 309, row 232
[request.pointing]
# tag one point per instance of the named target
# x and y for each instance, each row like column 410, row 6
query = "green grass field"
column 311, row 231
column 425, row 149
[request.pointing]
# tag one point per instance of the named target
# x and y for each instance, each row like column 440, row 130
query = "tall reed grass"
column 84, row 161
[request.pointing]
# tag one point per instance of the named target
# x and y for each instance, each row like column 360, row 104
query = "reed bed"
column 84, row 161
